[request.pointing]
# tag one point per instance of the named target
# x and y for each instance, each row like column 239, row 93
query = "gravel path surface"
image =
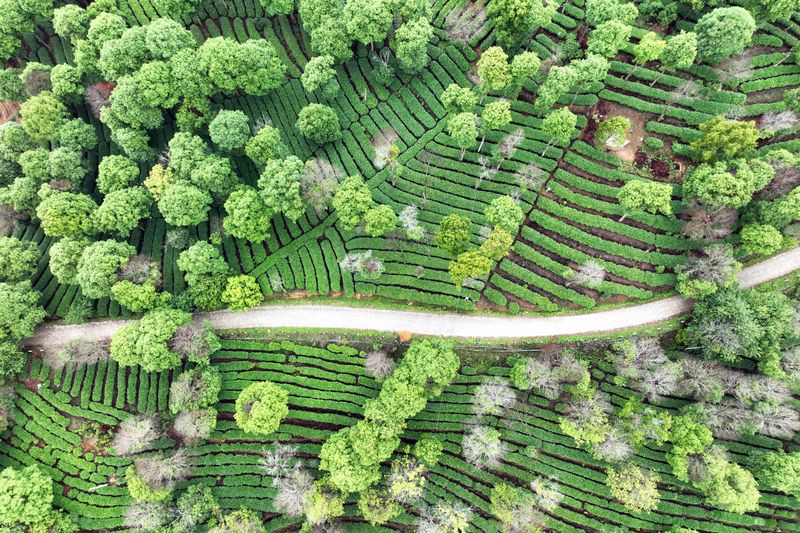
column 430, row 323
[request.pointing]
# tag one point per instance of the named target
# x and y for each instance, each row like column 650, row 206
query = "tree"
column 66, row 82
column 10, row 86
column 602, row 11
column 453, row 233
column 723, row 32
column 707, row 270
column 67, row 165
column 352, row 201
column 505, row 213
column 122, row 210
column 18, row 259
column 182, row 204
column 70, row 21
column 649, row 48
column 559, row 81
column 319, row 75
column 158, row 180
column 760, row 239
column 195, row 389
column 380, row 220
column 515, row 508
column 229, row 130
column 252, row 66
column 77, row 135
column 332, row 38
column 524, row 66
column 279, row 187
column 19, row 316
column 206, row 274
column 27, row 502
column 186, row 152
column 98, row 266
column 494, row 70
column 214, row 174
column 608, row 38
column 319, row 123
column 277, row 7
column 644, row 195
column 463, row 128
column 64, row 257
column 368, row 21
column 116, row 172
column 242, row 292
column 247, row 217
column 497, row 244
column 457, row 99
column 634, row 488
column 470, row 264
column 715, row 185
column 165, row 37
column 42, row 116
column 679, row 53
column 260, row 407
column 720, row 137
column 559, row 125
column 728, row 486
column 779, row 471
column 411, row 43
column 515, row 20
column 65, row 214
column 124, row 56
column 495, row 116
column 264, row 145
column 145, row 342
column 133, row 142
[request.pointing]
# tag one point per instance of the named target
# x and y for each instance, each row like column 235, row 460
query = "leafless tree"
column 750, row 389
column 192, row 341
column 163, row 471
column 547, row 493
column 660, row 380
column 136, row 434
column 410, row 223
column 590, row 274
column 318, row 184
column 406, row 479
column 147, row 516
column 531, row 178
column 727, row 419
column 511, row 142
column 79, row 353
column 686, row 90
column 445, row 517
column 790, row 363
column 709, row 224
column 779, row 121
column 139, row 269
column 787, row 175
column 735, row 71
column 780, row 421
column 278, row 461
column 194, row 425
column 291, row 497
column 713, row 263
column 615, row 447
column 482, row 447
column 700, row 379
column 493, row 397
column 178, row 239
column 378, row 364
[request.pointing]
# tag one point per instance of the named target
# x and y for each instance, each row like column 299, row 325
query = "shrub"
column 260, row 407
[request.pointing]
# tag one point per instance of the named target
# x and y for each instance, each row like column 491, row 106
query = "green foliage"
column 457, row 99
column 122, row 210
column 720, row 138
column 428, row 450
column 612, row 132
column 10, row 86
column 715, row 185
column 494, row 70
column 608, row 38
column 27, row 498
column 260, row 407
column 165, row 37
column 64, row 164
column 634, row 488
column 319, row 75
column 248, row 217
column 264, row 145
column 140, row 491
column 98, row 266
column 516, row 20
column 779, row 471
column 241, row 292
column 319, row 123
column 145, row 342
column 649, row 196
column 66, row 214
column 182, row 204
column 66, row 81
column 20, row 313
column 42, row 116
column 71, row 21
column 206, row 274
column 252, row 66
column 453, row 233
column 135, row 297
column 504, row 212
column 411, row 43
column 64, row 257
column 559, row 125
column 116, row 172
column 78, row 135
column 379, row 220
column 723, row 32
column 368, row 21
column 352, row 200
column 377, row 507
column 728, row 486
column 18, row 259
column 760, row 239
column 469, row 264
column 229, row 130
column 601, row 11
column 279, row 186
column 195, row 389
column 463, row 128
column 497, row 244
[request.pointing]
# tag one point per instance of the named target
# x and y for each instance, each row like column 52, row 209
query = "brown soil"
column 8, row 111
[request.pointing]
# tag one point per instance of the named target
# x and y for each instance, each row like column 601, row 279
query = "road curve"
column 431, row 323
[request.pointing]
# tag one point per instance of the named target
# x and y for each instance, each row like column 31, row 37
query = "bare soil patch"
column 8, row 111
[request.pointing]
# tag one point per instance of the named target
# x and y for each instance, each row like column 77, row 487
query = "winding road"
column 433, row 323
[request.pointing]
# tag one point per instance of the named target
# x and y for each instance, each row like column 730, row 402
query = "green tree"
column 608, row 38
column 723, row 32
column 779, row 471
column 720, row 137
column 380, row 220
column 98, row 266
column 495, row 115
column 214, row 174
column 116, row 172
column 644, row 195
column 331, row 38
column 78, row 135
column 252, row 66
column 64, row 164
column 165, row 37
column 634, row 488
column 728, row 486
column 277, row 7
column 352, row 200
column 206, row 274
column 760, row 239
column 182, row 204
column 26, row 496
column 18, row 259
column 715, row 185
column 457, row 99
column 319, row 123
column 19, row 315
column 470, row 264
column 497, row 244
column 42, row 116
column 320, row 76
column 66, row 82
column 368, row 21
column 229, row 130
column 494, row 70
column 65, row 214
column 10, row 86
column 135, row 297
column 601, row 11
column 524, row 66
column 679, row 53
column 64, row 256
column 516, row 20
column 411, row 43
column 649, row 48
column 463, row 128
column 505, row 213
column 122, row 210
column 264, row 145
column 559, row 81
column 260, row 407
column 453, row 233
column 146, row 342
column 71, row 21
column 559, row 125
column 247, row 217
column 242, row 292
column 279, row 187
column 186, row 152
